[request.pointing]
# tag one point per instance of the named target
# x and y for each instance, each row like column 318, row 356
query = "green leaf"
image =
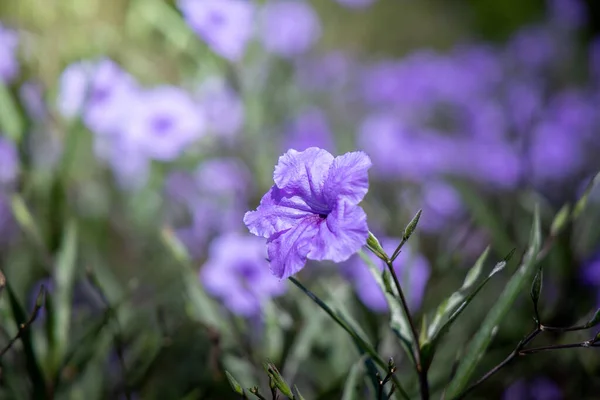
column 398, row 321
column 353, row 381
column 25, row 219
column 582, row 202
column 278, row 380
column 234, row 384
column 536, row 289
column 595, row 320
column 374, row 245
column 363, row 345
column 484, row 335
column 446, row 307
column 408, row 231
column 560, row 220
column 412, row 225
column 64, row 274
column 297, row 394
column 456, row 311
column 11, row 121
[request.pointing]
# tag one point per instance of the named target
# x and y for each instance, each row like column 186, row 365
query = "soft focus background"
column 134, row 134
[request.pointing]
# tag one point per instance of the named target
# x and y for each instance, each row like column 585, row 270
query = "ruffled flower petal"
column 348, row 178
column 341, row 235
column 288, row 249
column 303, row 174
column 276, row 213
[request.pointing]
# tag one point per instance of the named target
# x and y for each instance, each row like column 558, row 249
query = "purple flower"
column 312, row 210
column 356, row 3
column 73, row 87
column 440, row 203
column 537, row 389
column 568, row 13
column 309, row 129
column 9, row 65
column 214, row 197
column 328, row 72
column 289, row 27
column 130, row 166
column 412, row 270
column 164, row 121
column 225, row 25
column 237, row 272
column 9, row 162
column 109, row 97
column 532, row 48
column 223, row 108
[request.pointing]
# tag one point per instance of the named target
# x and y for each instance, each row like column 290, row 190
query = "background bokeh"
column 135, row 134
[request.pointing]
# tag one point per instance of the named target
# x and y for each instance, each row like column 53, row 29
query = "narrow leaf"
column 446, row 307
column 594, row 321
column 353, row 382
column 363, row 345
column 536, row 289
column 560, row 220
column 582, row 202
column 63, row 293
column 484, row 335
column 398, row 321
column 297, row 394
column 458, row 310
column 234, row 384
column 278, row 380
column 412, row 226
column 11, row 121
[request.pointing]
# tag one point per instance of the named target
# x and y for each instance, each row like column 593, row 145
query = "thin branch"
column 504, row 363
column 423, row 384
column 39, row 303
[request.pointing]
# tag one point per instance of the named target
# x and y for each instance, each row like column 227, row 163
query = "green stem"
column 421, row 370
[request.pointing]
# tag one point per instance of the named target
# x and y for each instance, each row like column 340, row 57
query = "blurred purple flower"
column 237, row 272
column 356, row 3
column 223, row 108
column 73, row 88
column 9, row 64
column 309, row 129
column 163, row 122
column 333, row 70
column 227, row 177
column 532, row 49
column 131, row 167
column 412, row 269
column 225, row 25
column 441, row 202
column 312, row 210
column 554, row 154
column 537, row 389
column 109, row 96
column 9, row 162
column 570, row 14
column 289, row 27
column 215, row 197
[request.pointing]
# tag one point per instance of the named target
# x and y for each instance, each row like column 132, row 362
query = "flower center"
column 162, row 124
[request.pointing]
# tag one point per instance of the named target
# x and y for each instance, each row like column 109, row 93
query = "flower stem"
column 421, row 370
